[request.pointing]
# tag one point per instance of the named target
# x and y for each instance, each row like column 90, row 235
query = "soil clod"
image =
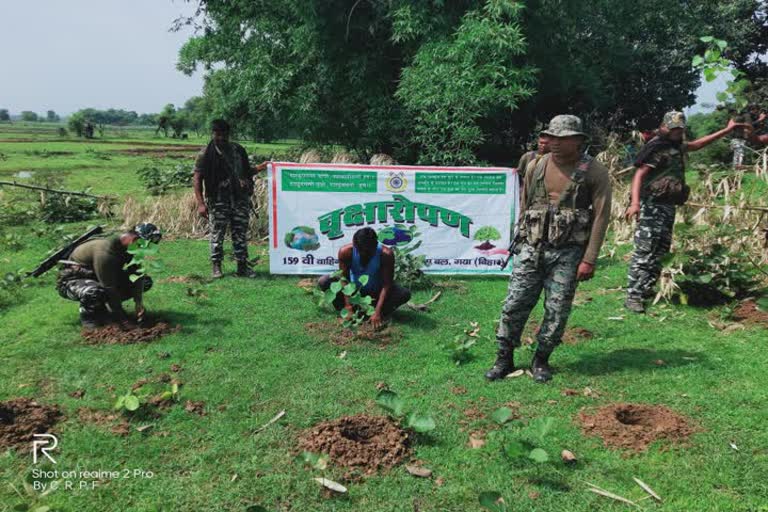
column 195, row 407
column 635, row 426
column 21, row 418
column 115, row 335
column 367, row 443
column 748, row 313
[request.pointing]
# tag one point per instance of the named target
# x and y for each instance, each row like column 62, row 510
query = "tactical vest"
column 567, row 223
column 666, row 183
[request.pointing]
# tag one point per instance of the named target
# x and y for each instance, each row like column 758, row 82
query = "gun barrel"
column 64, row 252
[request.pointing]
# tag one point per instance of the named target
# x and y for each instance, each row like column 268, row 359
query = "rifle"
column 63, row 253
column 511, row 249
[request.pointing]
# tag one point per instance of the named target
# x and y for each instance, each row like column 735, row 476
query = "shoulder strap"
column 538, row 178
column 577, row 181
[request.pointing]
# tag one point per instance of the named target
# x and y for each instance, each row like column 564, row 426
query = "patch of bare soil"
column 115, row 335
column 195, row 407
column 333, row 332
column 21, row 418
column 308, row 285
column 116, row 423
column 576, row 335
column 747, row 312
column 635, row 426
column 361, row 442
column 190, row 279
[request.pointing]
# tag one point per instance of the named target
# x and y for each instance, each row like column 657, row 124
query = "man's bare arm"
column 712, row 137
column 197, row 182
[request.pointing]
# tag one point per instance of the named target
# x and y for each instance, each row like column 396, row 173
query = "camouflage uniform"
column 229, row 202
column 653, row 233
column 552, row 240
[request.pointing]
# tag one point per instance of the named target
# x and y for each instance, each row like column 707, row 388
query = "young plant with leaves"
column 461, row 344
column 395, row 406
column 409, row 268
column 362, row 305
column 531, row 448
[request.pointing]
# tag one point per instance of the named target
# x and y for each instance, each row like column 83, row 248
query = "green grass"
column 243, row 350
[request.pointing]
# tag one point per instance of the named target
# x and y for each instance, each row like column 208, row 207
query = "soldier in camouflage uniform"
column 541, row 150
column 563, row 218
column 223, row 182
column 657, row 189
column 96, row 276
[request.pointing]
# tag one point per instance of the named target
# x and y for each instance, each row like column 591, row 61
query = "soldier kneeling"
column 96, row 276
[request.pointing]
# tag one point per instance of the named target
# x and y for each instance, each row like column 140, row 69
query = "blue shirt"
column 372, row 270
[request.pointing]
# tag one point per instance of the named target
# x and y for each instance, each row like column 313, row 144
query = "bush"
column 714, row 276
column 63, row 208
column 159, row 179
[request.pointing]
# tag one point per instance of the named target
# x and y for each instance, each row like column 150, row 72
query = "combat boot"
column 244, row 270
column 88, row 321
column 634, row 304
column 216, row 273
column 540, row 367
column 504, row 364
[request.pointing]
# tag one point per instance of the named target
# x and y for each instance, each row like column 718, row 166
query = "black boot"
column 503, row 366
column 216, row 273
column 635, row 304
column 88, row 320
column 540, row 367
column 244, row 270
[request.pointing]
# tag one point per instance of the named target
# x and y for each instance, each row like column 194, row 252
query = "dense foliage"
column 453, row 82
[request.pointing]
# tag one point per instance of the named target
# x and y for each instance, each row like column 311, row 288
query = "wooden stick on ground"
column 270, row 422
column 423, row 307
column 752, row 208
column 46, row 189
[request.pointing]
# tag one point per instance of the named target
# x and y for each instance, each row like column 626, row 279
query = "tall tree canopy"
column 452, row 82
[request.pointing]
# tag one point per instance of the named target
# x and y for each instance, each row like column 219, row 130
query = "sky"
column 65, row 55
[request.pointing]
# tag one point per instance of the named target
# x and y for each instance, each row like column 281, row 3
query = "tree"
column 389, row 76
column 164, row 119
column 198, row 113
column 52, row 117
column 4, row 115
column 29, row 116
column 76, row 123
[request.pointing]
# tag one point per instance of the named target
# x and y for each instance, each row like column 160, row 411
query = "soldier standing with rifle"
column 564, row 214
column 223, row 183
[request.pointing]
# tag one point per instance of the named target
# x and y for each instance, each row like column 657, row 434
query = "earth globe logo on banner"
column 396, row 182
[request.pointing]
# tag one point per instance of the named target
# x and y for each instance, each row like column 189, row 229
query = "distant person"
column 223, row 183
column 365, row 256
column 758, row 139
column 542, row 149
column 96, row 276
column 657, row 189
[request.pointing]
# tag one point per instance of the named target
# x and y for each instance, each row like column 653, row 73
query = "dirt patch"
column 116, row 423
column 190, row 279
column 361, row 442
column 195, row 407
column 635, row 426
column 78, row 393
column 309, row 285
column 337, row 335
column 114, row 335
column 576, row 335
column 747, row 312
column 21, row 418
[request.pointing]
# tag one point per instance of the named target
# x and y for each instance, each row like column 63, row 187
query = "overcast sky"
column 65, row 55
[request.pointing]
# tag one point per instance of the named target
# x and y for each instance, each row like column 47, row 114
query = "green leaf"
column 706, row 39
column 492, row 500
column 336, row 287
column 363, row 280
column 539, row 455
column 721, row 44
column 350, row 289
column 131, row 402
column 502, row 414
column 134, row 277
column 391, row 402
column 722, row 97
column 120, row 403
column 515, row 449
column 420, row 423
column 542, row 427
column 21, row 507
column 698, row 60
column 762, row 303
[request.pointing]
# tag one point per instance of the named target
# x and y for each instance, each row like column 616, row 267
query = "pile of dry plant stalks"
column 177, row 213
column 717, row 200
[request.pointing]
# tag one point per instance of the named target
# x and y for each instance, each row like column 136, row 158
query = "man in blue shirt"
column 365, row 256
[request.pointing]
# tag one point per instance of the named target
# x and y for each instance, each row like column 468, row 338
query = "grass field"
column 244, row 351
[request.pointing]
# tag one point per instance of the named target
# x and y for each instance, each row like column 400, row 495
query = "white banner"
column 459, row 218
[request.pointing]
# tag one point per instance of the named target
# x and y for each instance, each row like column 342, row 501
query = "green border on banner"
column 328, row 180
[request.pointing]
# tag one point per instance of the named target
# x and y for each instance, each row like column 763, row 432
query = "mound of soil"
column 747, row 312
column 635, row 426
column 576, row 335
column 337, row 335
column 21, row 418
column 114, row 335
column 366, row 443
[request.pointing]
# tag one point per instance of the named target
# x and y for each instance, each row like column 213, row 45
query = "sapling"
column 362, row 305
column 142, row 257
column 392, row 403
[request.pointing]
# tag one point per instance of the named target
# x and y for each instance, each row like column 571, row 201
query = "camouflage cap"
column 564, row 126
column 674, row 119
column 149, row 231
